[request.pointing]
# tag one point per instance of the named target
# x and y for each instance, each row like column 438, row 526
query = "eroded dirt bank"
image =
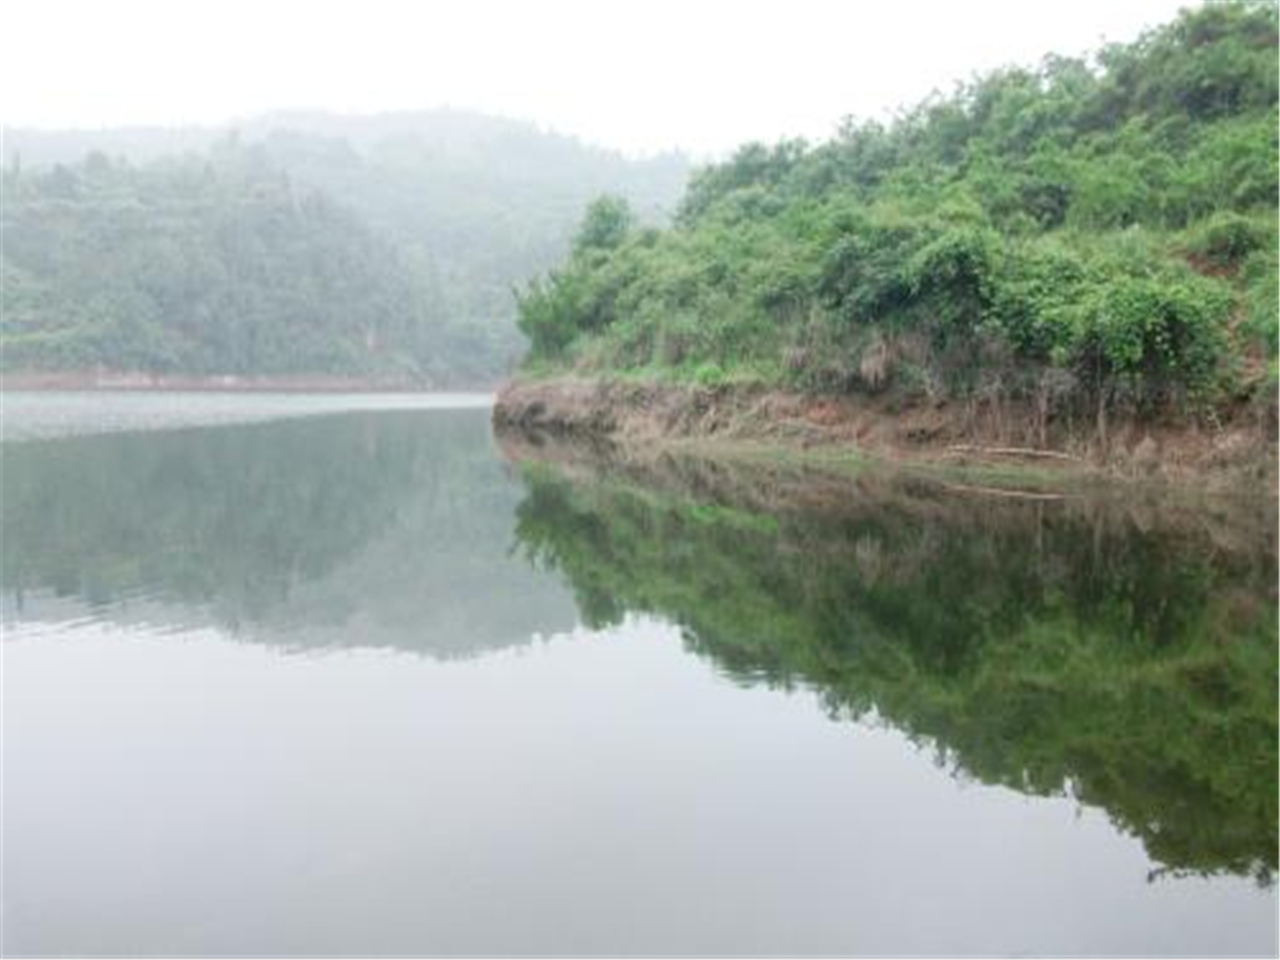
column 1236, row 452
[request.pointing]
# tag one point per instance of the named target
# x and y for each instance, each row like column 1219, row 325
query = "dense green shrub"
column 1225, row 239
column 1112, row 221
column 1164, row 331
column 1262, row 276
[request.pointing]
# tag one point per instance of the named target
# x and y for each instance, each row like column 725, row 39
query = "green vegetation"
column 1100, row 235
column 486, row 203
column 217, row 267
column 382, row 247
column 1050, row 648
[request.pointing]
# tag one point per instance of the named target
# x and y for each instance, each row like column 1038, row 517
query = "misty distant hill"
column 417, row 227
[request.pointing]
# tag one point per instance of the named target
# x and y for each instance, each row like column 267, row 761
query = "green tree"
column 605, row 225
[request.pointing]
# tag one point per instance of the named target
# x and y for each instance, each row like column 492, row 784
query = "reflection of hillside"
column 364, row 529
column 1047, row 646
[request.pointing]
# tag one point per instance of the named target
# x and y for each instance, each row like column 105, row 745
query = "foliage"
column 1226, row 239
column 605, row 225
column 206, row 268
column 458, row 206
column 1100, row 221
column 1263, row 293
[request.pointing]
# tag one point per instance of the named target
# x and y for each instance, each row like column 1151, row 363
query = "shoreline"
column 756, row 482
column 646, row 419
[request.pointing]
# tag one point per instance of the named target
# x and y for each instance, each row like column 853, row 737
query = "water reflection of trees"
column 1125, row 657
column 387, row 529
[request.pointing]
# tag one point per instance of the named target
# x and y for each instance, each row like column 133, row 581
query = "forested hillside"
column 383, row 247
column 1090, row 233
column 205, row 267
column 487, row 203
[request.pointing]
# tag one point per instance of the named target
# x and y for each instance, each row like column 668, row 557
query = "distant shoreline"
column 142, row 381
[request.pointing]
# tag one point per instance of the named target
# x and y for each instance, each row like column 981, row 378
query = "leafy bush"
column 1262, row 294
column 1225, row 239
column 1165, row 331
column 1039, row 227
column 708, row 375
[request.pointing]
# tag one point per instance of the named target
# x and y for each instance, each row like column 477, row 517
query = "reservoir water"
column 322, row 676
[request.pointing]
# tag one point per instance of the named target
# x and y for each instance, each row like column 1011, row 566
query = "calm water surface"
column 350, row 682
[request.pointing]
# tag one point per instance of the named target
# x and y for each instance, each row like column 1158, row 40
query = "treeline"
column 485, row 203
column 213, row 265
column 1091, row 232
column 383, row 247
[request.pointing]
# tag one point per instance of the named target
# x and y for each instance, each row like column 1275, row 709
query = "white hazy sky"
column 640, row 76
